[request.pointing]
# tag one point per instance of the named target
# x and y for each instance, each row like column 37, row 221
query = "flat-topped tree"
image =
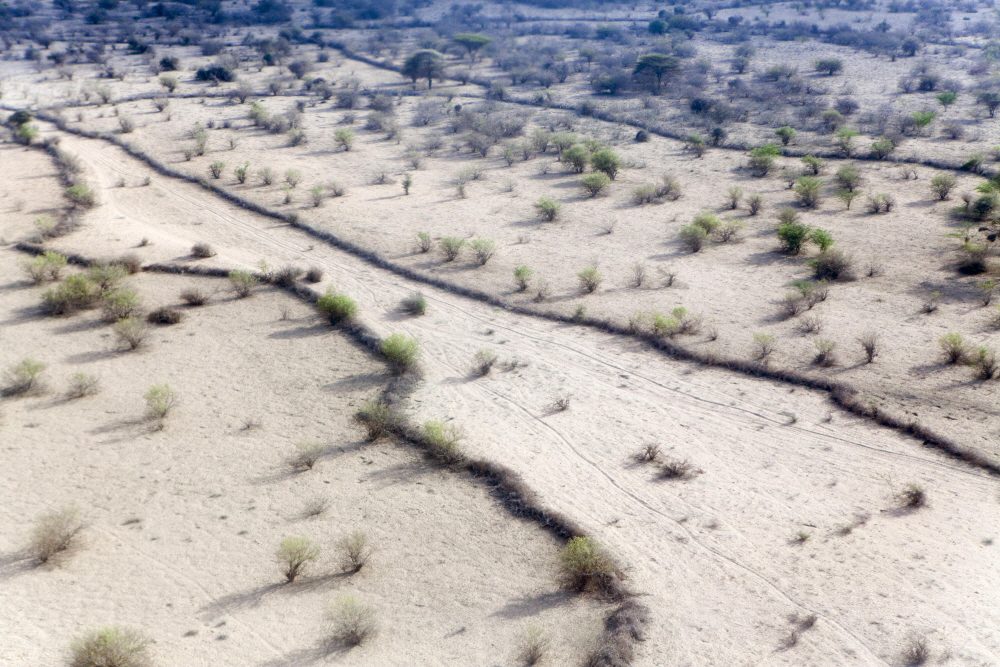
column 472, row 42
column 424, row 64
column 653, row 67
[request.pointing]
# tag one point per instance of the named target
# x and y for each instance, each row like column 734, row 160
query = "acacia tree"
column 653, row 67
column 471, row 42
column 424, row 64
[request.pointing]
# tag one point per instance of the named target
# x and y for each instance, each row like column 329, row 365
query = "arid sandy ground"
column 786, row 546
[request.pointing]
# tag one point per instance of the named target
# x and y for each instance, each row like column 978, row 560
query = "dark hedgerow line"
column 843, row 395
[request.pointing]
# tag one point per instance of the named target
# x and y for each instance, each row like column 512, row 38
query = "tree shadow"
column 530, row 605
column 321, row 650
column 15, row 563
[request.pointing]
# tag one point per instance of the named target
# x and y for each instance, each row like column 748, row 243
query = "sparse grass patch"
column 24, row 378
column 82, row 385
column 442, row 442
column 305, row 456
column 295, row 554
column 378, row 418
column 870, row 343
column 160, row 400
column 675, row 468
column 953, row 346
column 243, row 283
column 53, row 533
column 648, row 454
column 112, row 646
column 916, row 652
column 483, row 362
column 534, row 647
column 590, row 279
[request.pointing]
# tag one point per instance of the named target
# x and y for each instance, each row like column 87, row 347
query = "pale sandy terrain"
column 710, row 556
column 735, row 288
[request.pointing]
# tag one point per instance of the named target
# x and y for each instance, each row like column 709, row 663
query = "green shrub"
column 344, row 137
column 607, row 161
column 584, row 565
column 576, row 157
column 590, row 279
column 594, row 183
column 942, row 185
column 693, row 236
column 813, row 164
column 807, row 191
column 483, row 249
column 522, row 277
column 953, row 346
column 160, row 400
column 792, row 235
column 733, row 197
column 81, row 196
column 548, row 209
column 848, row 177
column 452, row 247
column 295, row 554
column 216, row 169
column 305, row 456
column 108, row 276
column 241, row 172
column 882, row 147
column 119, row 304
column 45, row 267
column 74, row 293
column 985, row 362
column 786, row 134
column 401, row 352
column 351, row 621
column 81, row 385
column 442, row 442
column 111, row 647
column 822, row 238
column 243, row 282
column 707, row 221
column 762, row 159
column 337, row 308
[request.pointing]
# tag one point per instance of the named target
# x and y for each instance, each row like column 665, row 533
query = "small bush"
column 82, row 385
column 807, row 191
column 792, row 235
column 825, row 353
column 24, row 377
column 870, row 344
column 74, row 293
column 442, row 442
column 119, row 304
column 452, row 246
column 534, row 645
column 107, row 276
column 81, row 196
column 764, row 345
column 483, row 250
column 522, row 277
column 53, row 533
column 378, row 418
column 915, row 653
column 584, row 565
column 45, row 267
column 648, row 454
column 351, row 621
column 355, row 551
column 194, row 297
column 673, row 468
column 160, row 400
column 594, row 183
column 216, row 169
column 985, row 363
column 286, row 276
column 590, row 279
column 165, row 316
column 111, row 647
column 415, row 304
column 606, row 161
column 548, row 209
column 483, row 362
column 305, row 456
column 242, row 282
column 401, row 352
column 314, row 274
column 942, row 185
column 424, row 241
column 912, row 497
column 295, row 554
column 733, row 197
column 131, row 332
column 832, row 265
column 693, row 237
column 337, row 308
column 755, row 203
column 953, row 346
column 202, row 251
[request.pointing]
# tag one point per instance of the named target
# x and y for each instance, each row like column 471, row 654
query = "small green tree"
column 807, row 191
column 607, row 161
column 595, row 183
column 242, row 282
column 792, row 235
column 762, row 159
column 548, row 209
column 786, row 134
column 452, row 247
column 942, row 185
column 111, row 646
column 576, row 157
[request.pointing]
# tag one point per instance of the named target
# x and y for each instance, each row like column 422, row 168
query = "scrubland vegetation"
column 807, row 195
